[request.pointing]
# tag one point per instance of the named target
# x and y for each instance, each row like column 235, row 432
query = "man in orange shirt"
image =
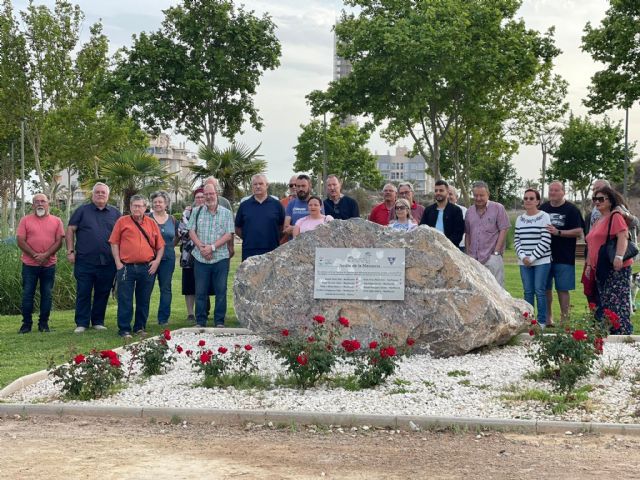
column 39, row 237
column 137, row 247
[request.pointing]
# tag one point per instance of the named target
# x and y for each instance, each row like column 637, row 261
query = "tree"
column 502, row 178
column 233, row 167
column 420, row 64
column 538, row 118
column 129, row 172
column 588, row 150
column 347, row 154
column 198, row 73
column 616, row 43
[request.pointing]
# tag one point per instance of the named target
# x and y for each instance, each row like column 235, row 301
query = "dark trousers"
column 165, row 276
column 96, row 280
column 134, row 279
column 209, row 275
column 30, row 278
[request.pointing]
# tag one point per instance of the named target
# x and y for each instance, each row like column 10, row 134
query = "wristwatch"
column 496, row 253
column 213, row 247
column 620, row 257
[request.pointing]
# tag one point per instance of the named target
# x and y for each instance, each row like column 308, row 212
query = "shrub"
column 568, row 355
column 64, row 290
column 222, row 370
column 153, row 354
column 88, row 377
column 374, row 364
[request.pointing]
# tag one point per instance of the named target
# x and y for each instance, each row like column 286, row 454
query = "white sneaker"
column 79, row 330
column 99, row 327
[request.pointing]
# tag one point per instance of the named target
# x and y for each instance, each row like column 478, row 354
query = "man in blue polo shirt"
column 94, row 268
column 259, row 220
column 299, row 206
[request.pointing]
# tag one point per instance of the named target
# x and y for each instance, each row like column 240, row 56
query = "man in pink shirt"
column 39, row 237
column 486, row 226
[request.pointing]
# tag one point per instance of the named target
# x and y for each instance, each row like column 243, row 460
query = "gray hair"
column 453, row 189
column 260, row 175
column 395, row 189
column 137, row 198
column 163, row 194
column 405, row 184
column 606, row 183
column 100, row 184
column 480, row 184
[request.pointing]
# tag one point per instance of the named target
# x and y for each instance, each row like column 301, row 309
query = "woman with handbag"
column 611, row 255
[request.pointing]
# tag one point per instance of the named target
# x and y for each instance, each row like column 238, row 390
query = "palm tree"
column 179, row 187
column 233, row 167
column 129, row 172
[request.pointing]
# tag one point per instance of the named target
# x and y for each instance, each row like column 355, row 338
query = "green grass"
column 24, row 354
column 557, row 403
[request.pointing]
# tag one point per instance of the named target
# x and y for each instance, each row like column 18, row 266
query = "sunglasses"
column 291, row 185
column 529, row 198
column 599, row 199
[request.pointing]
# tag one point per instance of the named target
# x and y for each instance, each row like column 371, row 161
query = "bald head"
column 40, row 204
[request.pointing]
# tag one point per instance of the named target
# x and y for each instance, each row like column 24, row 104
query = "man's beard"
column 41, row 212
column 302, row 195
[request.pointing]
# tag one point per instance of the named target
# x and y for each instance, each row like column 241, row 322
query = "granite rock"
column 452, row 303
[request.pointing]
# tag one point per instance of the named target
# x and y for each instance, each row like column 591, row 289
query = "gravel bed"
column 469, row 386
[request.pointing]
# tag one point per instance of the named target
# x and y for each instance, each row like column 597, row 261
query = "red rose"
column 79, row 359
column 201, row 343
column 343, row 321
column 319, row 319
column 188, row 353
column 388, row 352
column 222, row 350
column 350, row 345
column 579, row 335
column 610, row 314
column 162, row 341
column 115, row 362
column 285, row 333
column 248, row 347
column 534, row 321
column 526, row 314
column 411, row 341
column 302, row 359
column 592, row 306
column 108, row 354
column 373, row 345
column 205, row 357
column 179, row 349
column 167, row 335
column 311, row 339
column 532, row 333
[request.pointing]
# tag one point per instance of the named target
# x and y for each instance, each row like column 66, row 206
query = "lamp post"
column 626, row 151
column 324, row 152
column 22, row 211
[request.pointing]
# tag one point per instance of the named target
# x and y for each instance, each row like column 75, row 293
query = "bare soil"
column 79, row 448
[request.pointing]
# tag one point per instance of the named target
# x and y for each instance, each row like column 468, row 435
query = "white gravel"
column 421, row 386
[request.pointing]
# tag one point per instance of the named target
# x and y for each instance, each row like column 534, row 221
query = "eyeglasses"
column 401, row 208
column 291, row 185
column 529, row 198
column 599, row 199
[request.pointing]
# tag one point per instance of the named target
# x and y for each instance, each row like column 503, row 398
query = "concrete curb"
column 32, row 378
column 286, row 419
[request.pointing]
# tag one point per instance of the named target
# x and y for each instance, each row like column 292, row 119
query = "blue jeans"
column 207, row 275
column 134, row 279
column 165, row 275
column 534, row 282
column 30, row 277
column 96, row 279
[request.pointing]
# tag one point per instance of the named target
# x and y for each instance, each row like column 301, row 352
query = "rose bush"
column 153, row 355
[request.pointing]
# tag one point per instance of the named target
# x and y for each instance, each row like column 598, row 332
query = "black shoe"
column 44, row 328
column 25, row 329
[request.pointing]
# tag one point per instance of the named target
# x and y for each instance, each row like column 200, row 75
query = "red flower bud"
column 167, row 335
column 579, row 335
column 525, row 314
column 79, row 359
column 222, row 350
column 311, row 339
column 373, row 345
column 248, row 348
column 201, row 343
column 534, row 321
column 285, row 333
column 532, row 333
column 302, row 359
column 343, row 321
column 592, row 306
column 319, row 319
column 179, row 349
column 410, row 341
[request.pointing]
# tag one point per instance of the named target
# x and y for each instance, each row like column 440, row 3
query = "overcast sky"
column 304, row 29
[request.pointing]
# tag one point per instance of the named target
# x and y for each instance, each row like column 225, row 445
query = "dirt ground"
column 78, row 448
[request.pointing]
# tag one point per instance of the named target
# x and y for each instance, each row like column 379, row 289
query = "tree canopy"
column 198, row 73
column 347, row 154
column 419, row 64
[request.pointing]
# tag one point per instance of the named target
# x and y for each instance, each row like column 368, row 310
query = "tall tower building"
column 341, row 68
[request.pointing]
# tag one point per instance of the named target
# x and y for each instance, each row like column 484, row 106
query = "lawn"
column 23, row 354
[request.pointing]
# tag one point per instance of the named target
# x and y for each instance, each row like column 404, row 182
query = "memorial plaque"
column 359, row 273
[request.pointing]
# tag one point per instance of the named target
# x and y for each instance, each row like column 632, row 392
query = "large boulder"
column 452, row 303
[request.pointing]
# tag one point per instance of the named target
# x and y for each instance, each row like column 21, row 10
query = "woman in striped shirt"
column 533, row 246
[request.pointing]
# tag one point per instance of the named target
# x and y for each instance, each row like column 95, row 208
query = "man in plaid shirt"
column 210, row 229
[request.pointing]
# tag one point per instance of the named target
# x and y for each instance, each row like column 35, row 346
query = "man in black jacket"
column 443, row 215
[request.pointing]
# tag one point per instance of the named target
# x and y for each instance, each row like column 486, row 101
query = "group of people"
column 127, row 253
column 545, row 243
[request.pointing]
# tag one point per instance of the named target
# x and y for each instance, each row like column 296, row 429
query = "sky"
column 304, row 28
